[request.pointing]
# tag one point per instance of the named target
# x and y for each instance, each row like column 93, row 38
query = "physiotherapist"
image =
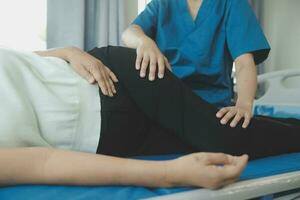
column 199, row 40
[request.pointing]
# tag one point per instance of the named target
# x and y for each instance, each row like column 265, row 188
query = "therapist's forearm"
column 134, row 36
column 246, row 76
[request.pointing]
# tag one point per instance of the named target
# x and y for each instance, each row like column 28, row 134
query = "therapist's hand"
column 149, row 56
column 235, row 114
column 209, row 170
column 93, row 70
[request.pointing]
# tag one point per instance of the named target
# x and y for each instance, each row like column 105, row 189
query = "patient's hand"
column 86, row 66
column 236, row 112
column 209, row 170
column 92, row 69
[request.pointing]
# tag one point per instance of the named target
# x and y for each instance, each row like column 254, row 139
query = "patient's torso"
column 43, row 102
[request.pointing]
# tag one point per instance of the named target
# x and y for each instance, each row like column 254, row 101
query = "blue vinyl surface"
column 255, row 169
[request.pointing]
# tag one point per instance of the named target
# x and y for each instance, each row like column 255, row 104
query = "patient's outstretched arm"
column 38, row 165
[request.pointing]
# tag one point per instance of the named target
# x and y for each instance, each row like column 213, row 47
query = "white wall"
column 281, row 22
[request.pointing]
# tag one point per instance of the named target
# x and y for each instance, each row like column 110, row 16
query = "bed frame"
column 242, row 190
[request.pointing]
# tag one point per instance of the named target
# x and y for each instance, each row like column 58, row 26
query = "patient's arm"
column 63, row 53
column 87, row 66
column 50, row 166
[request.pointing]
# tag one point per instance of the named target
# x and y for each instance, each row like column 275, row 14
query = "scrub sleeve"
column 244, row 33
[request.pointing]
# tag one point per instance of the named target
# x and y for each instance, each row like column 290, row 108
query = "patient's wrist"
column 69, row 52
column 174, row 176
column 65, row 53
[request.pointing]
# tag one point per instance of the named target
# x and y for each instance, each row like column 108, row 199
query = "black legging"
column 173, row 107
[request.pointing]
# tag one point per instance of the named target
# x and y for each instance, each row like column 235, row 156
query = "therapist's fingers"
column 167, row 64
column 161, row 67
column 222, row 112
column 138, row 61
column 152, row 70
column 144, row 66
column 228, row 116
column 247, row 120
column 236, row 119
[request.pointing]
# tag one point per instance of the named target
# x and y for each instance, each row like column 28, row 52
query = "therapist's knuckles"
column 237, row 118
column 149, row 56
column 227, row 117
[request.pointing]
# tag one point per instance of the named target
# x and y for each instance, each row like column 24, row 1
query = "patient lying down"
column 55, row 128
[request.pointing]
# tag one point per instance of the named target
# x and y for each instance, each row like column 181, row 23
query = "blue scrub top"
column 202, row 52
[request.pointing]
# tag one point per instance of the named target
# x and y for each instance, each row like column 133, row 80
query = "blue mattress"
column 255, row 169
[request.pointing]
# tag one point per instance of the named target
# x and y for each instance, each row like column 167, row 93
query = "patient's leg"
column 175, row 107
column 127, row 132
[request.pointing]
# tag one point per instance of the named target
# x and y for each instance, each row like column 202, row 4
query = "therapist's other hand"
column 209, row 170
column 149, row 56
column 93, row 70
column 235, row 114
